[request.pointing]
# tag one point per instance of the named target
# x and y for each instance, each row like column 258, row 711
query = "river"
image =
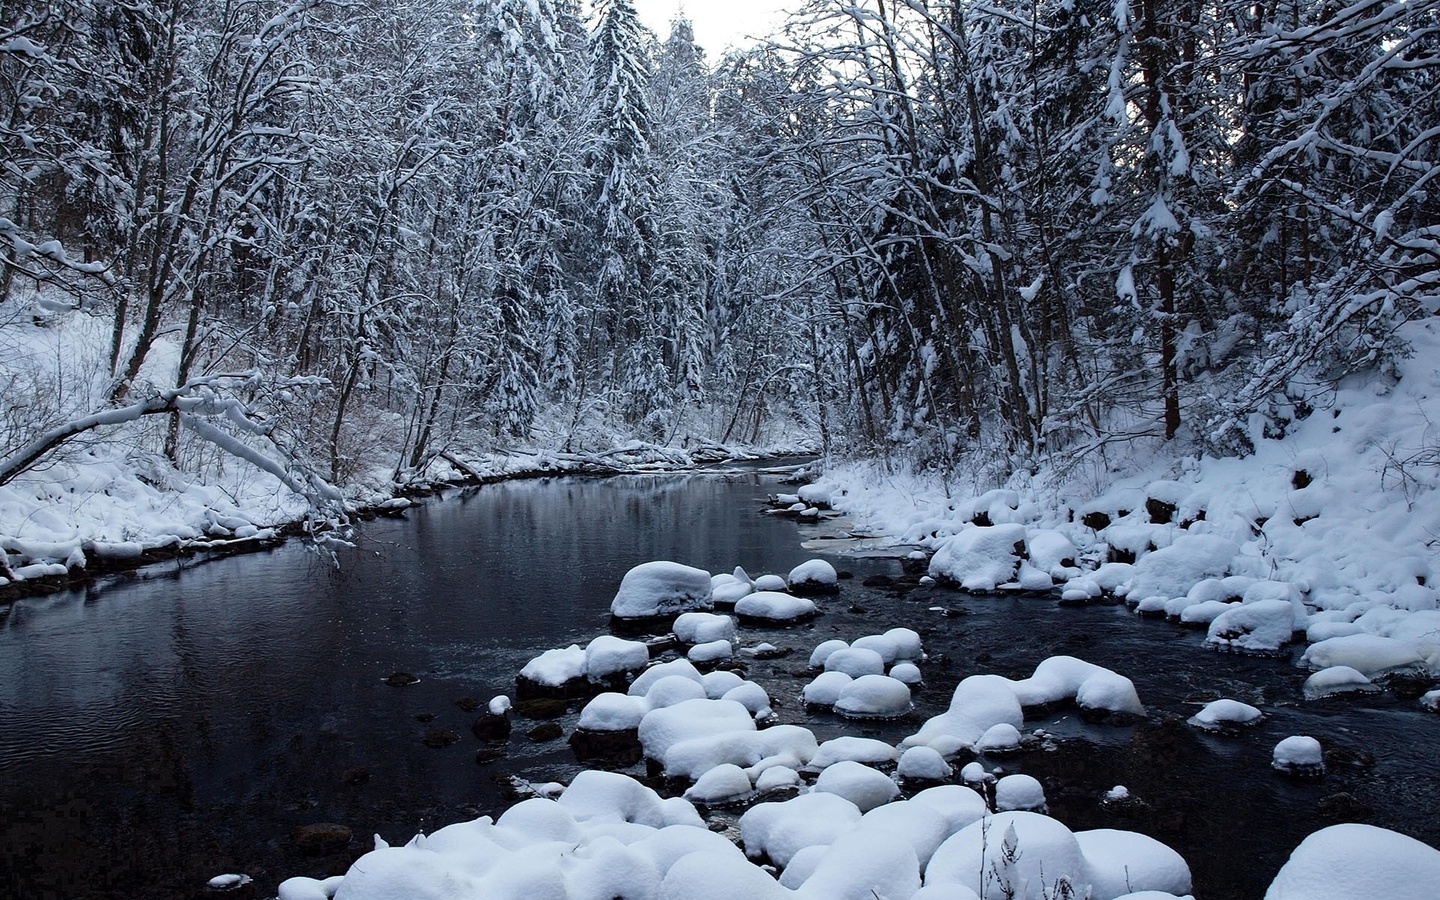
column 161, row 728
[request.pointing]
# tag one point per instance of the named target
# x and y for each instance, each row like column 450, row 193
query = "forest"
column 335, row 236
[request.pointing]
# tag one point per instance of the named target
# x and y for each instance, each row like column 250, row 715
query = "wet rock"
column 1345, row 757
column 468, row 704
column 773, row 653
column 231, row 887
column 527, row 689
column 1097, row 521
column 438, row 738
column 1342, row 807
column 878, row 581
column 401, row 679
column 541, row 708
column 546, row 731
column 1406, row 685
column 355, row 777
column 487, row 755
column 1160, row 512
column 424, row 717
column 619, row 748
column 321, row 838
column 491, row 727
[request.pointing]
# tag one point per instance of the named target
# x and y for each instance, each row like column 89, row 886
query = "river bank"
column 60, row 538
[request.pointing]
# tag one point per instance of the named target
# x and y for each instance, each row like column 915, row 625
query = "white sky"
column 718, row 23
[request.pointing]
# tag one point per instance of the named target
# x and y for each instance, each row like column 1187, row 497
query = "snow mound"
column 1337, row 680
column 923, row 764
column 1019, row 792
column 1121, row 862
column 703, row 627
column 869, row 751
column 874, row 697
column 1358, row 862
column 1021, row 854
column 1299, row 755
column 1220, row 714
column 779, row 830
column 980, row 557
column 1368, row 653
column 1171, row 571
column 1261, row 627
column 771, row 606
column 661, row 588
column 814, row 575
column 861, row 785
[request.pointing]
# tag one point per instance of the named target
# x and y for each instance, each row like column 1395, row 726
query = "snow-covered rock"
column 1299, row 755
column 1028, row 851
column 1019, row 792
column 725, row 784
column 1261, row 627
column 874, row 697
column 1370, row 654
column 855, row 661
column 703, row 627
column 1221, row 714
column 923, row 764
column 980, row 558
column 861, row 785
column 608, row 655
column 1337, row 680
column 771, row 606
column 1358, row 862
column 1118, row 863
column 814, row 576
column 779, row 830
column 661, row 588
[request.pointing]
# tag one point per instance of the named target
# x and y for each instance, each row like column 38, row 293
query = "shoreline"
column 274, row 536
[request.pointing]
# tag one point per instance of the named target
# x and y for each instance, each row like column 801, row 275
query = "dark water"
column 159, row 730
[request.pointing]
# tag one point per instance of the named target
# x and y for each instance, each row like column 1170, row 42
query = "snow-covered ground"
column 1327, row 535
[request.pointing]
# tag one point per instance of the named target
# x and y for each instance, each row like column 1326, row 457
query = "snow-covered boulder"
column 1299, row 755
column 661, row 588
column 822, row 652
column 1019, row 792
column 868, row 751
column 779, row 830
column 979, row 702
column 999, row 740
column 825, row 689
column 855, row 661
column 980, row 558
column 873, row 697
column 1358, row 862
column 1337, row 680
column 1262, row 627
column 1219, row 715
column 771, row 606
column 1052, row 552
column 861, row 785
column 1029, row 851
column 1371, row 654
column 1171, row 571
column 814, row 576
column 703, row 627
column 710, row 652
column 1118, row 863
column 923, row 764
column 607, row 656
column 723, row 785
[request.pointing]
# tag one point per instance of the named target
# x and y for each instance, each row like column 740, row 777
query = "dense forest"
column 334, row 233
